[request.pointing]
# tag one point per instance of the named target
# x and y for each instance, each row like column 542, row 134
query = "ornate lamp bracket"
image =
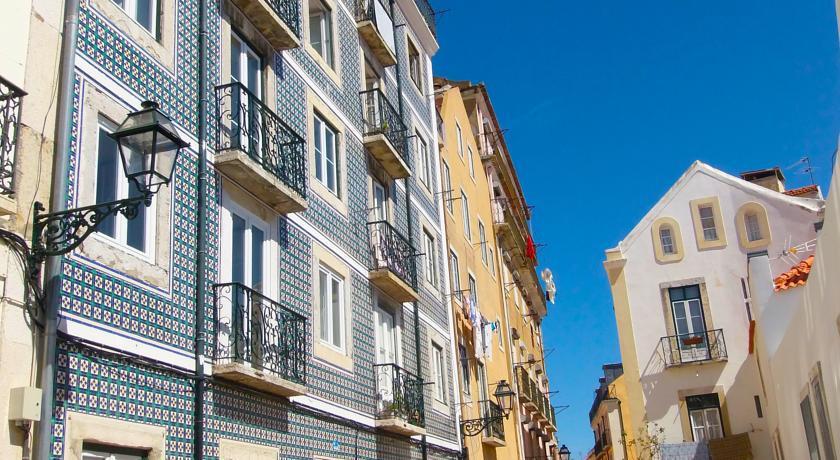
column 475, row 426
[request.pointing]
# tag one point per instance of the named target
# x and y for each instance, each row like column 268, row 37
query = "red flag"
column 531, row 249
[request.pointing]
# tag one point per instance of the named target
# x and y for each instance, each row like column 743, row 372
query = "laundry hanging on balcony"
column 531, row 250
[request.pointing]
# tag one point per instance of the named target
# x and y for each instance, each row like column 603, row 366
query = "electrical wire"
column 33, row 297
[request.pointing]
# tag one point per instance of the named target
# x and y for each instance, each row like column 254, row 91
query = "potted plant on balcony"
column 692, row 340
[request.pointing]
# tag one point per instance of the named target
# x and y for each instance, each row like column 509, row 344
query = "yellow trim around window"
column 658, row 250
column 702, row 243
column 763, row 224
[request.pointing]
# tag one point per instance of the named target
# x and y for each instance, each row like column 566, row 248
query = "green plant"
column 648, row 443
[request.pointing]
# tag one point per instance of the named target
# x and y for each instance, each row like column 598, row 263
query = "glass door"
column 689, row 323
column 386, row 353
column 246, row 119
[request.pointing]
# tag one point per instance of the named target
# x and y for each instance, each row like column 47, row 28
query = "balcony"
column 10, row 100
column 259, row 343
column 384, row 133
column 393, row 268
column 258, row 151
column 376, row 27
column 399, row 400
column 678, row 350
column 494, row 432
column 428, row 14
column 277, row 20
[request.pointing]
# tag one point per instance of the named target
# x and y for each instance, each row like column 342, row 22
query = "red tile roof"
column 795, row 277
column 801, row 190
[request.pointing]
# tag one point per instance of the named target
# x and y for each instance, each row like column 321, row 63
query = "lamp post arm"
column 60, row 232
column 475, row 426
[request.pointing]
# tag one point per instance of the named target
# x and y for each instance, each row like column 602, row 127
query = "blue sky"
column 606, row 104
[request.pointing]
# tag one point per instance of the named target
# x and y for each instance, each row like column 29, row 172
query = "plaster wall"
column 721, row 269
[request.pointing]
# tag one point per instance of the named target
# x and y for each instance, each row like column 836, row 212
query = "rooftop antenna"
column 806, row 160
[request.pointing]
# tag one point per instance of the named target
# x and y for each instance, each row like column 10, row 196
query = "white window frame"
column 422, row 149
column 415, row 64
column 465, row 215
column 471, row 162
column 752, row 226
column 670, row 236
column 455, row 275
column 120, row 238
column 482, row 241
column 430, row 257
column 460, row 135
column 447, row 187
column 130, row 9
column 327, row 27
column 320, row 150
column 704, row 220
column 229, row 206
column 331, row 276
column 439, row 368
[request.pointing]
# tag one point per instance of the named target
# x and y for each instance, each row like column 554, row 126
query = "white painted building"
column 797, row 340
column 679, row 282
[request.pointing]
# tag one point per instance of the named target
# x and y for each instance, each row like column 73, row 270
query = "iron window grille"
column 245, row 123
column 253, row 329
column 10, row 102
column 399, row 394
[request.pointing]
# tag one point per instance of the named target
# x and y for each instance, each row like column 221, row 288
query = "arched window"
column 667, row 241
column 753, row 226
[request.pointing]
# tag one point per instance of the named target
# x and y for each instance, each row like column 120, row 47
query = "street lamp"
column 504, row 398
column 149, row 148
column 565, row 453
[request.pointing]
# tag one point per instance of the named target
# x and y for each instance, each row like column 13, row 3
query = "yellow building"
column 610, row 418
column 497, row 299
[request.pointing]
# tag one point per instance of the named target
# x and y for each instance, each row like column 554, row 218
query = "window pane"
column 698, row 425
column 666, row 240
column 147, row 14
column 235, row 59
column 319, row 155
column 253, row 73
column 237, row 249
column 707, row 220
column 822, row 417
column 810, row 432
column 456, row 275
column 257, row 240
column 107, row 172
column 315, row 32
column 136, row 228
column 336, row 313
column 332, row 167
column 753, row 228
column 328, row 47
column 323, row 286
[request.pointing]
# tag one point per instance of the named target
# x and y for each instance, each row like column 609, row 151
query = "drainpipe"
column 58, row 202
column 410, row 221
column 201, row 253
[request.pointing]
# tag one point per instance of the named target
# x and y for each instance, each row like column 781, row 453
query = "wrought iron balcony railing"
column 10, row 99
column 366, row 10
column 253, row 329
column 245, row 123
column 495, row 427
column 289, row 12
column 392, row 251
column 695, row 347
column 380, row 117
column 428, row 14
column 399, row 394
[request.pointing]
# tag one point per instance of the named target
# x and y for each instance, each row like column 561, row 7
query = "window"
column 439, row 372
column 465, row 214
column 331, row 298
column 482, row 241
column 810, row 430
column 447, row 187
column 425, row 161
column 144, row 12
column 666, row 238
column 460, row 137
column 704, row 414
column 245, row 65
column 455, row 271
column 415, row 67
column 822, row 416
column 246, row 248
column 380, row 202
column 707, row 221
column 111, row 184
column 465, row 369
column 492, row 260
column 321, row 30
column 92, row 451
column 752, row 226
column 431, row 258
column 326, row 155
column 473, row 292
column 471, row 161
column 689, row 322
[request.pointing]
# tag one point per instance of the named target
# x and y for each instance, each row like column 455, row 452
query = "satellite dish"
column 550, row 288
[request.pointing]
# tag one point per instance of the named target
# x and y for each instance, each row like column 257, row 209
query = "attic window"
column 666, row 238
column 753, row 228
column 667, row 242
column 707, row 220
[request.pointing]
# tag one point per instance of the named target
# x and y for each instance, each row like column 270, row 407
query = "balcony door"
column 246, row 266
column 689, row 323
column 246, row 119
column 386, row 353
column 373, row 82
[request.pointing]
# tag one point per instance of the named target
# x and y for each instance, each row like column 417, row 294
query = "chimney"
column 771, row 178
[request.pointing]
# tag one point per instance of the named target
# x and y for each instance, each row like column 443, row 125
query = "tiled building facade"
column 319, row 332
